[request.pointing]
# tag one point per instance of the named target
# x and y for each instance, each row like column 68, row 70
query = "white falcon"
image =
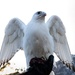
column 37, row 39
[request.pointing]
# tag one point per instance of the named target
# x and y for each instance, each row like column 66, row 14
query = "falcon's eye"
column 38, row 12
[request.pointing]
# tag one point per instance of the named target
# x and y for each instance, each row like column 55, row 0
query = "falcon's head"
column 40, row 15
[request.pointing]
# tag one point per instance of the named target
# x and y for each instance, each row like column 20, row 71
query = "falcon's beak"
column 43, row 14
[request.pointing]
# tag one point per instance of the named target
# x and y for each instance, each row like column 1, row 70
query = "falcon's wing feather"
column 57, row 30
column 13, row 39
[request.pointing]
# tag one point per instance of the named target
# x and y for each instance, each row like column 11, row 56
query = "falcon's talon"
column 36, row 61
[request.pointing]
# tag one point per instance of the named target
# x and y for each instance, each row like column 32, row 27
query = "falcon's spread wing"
column 57, row 30
column 13, row 40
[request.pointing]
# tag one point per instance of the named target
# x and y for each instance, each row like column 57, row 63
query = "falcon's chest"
column 37, row 35
column 38, row 32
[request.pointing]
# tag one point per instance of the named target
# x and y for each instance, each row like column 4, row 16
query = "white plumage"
column 38, row 39
column 13, row 40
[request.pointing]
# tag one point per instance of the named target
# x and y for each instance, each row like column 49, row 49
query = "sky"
column 24, row 9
